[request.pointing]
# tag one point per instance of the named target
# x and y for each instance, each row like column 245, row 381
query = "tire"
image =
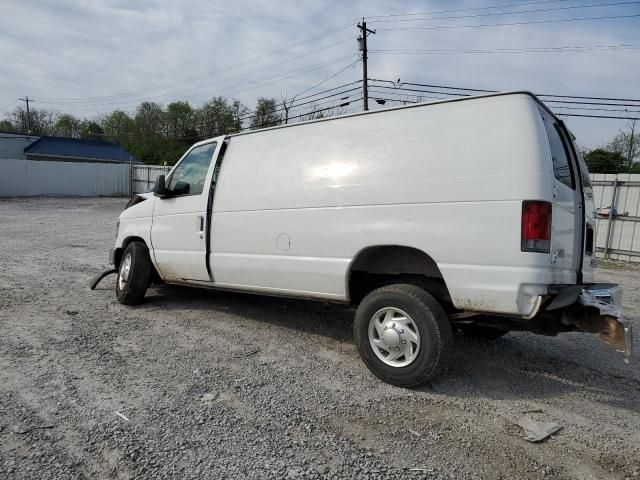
column 428, row 323
column 482, row 331
column 132, row 285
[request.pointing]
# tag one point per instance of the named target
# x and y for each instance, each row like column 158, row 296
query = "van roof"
column 402, row 107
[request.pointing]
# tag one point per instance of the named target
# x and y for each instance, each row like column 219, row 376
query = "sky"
column 91, row 57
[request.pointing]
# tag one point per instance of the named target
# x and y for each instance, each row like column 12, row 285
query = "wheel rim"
column 123, row 274
column 394, row 337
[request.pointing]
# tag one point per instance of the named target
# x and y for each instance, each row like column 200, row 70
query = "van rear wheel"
column 134, row 274
column 403, row 335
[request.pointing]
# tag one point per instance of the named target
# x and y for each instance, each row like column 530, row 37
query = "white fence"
column 617, row 228
column 144, row 177
column 24, row 178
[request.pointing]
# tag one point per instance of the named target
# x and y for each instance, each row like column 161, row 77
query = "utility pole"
column 631, row 142
column 26, row 100
column 362, row 45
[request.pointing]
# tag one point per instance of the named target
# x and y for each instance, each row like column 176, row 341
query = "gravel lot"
column 220, row 385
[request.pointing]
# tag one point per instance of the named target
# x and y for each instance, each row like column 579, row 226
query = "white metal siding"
column 30, row 178
column 144, row 177
column 625, row 229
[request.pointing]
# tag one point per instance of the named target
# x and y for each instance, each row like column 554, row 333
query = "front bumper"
column 112, row 256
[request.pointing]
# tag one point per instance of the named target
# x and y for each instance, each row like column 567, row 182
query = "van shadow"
column 330, row 320
column 520, row 366
column 527, row 367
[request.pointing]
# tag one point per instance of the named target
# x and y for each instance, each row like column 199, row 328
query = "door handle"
column 201, row 225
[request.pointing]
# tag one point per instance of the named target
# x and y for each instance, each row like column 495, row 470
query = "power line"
column 382, row 92
column 532, row 22
column 271, row 80
column 572, row 102
column 478, row 90
column 596, row 109
column 557, row 113
column 509, row 5
column 546, row 101
column 407, row 94
column 576, row 48
column 310, row 112
column 326, row 79
column 539, row 95
column 220, row 70
column 596, row 116
column 571, row 7
column 191, row 89
column 2, row 109
column 600, row 109
column 423, row 91
column 314, row 100
column 591, row 98
column 330, row 90
column 287, row 75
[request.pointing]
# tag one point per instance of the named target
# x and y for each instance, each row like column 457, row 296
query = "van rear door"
column 568, row 209
column 589, row 242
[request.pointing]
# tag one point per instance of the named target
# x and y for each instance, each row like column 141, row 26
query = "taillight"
column 536, row 226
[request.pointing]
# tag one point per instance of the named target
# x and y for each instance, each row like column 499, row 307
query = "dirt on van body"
column 204, row 384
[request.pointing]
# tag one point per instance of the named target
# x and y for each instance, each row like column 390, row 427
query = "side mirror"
column 159, row 189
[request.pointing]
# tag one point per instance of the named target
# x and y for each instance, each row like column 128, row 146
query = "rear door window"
column 559, row 153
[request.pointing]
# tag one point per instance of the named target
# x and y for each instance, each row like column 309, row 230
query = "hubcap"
column 394, row 337
column 123, row 274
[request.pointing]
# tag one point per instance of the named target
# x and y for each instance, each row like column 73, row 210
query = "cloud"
column 66, row 49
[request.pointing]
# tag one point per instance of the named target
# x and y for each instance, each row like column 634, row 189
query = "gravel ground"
column 203, row 384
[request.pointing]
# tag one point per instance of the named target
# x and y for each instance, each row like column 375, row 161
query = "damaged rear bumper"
column 598, row 309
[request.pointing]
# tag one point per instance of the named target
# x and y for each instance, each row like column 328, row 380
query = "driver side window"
column 189, row 176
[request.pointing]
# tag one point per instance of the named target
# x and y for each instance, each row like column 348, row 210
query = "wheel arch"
column 378, row 265
column 125, row 243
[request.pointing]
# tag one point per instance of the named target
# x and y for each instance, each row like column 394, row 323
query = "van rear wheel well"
column 378, row 266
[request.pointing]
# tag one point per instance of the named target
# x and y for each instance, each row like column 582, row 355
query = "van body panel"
column 448, row 180
column 294, row 206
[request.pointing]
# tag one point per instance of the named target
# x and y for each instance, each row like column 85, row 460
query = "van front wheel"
column 403, row 335
column 134, row 274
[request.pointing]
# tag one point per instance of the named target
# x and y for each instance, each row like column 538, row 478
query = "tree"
column 265, row 114
column 317, row 112
column 149, row 120
column 41, row 122
column 287, row 105
column 627, row 143
column 240, row 111
column 91, row 129
column 7, row 126
column 68, row 126
column 118, row 126
column 216, row 117
column 179, row 119
column 604, row 161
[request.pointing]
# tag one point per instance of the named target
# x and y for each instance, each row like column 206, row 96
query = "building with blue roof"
column 77, row 150
column 63, row 166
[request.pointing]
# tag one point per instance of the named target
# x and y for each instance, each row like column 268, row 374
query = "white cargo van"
column 473, row 214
